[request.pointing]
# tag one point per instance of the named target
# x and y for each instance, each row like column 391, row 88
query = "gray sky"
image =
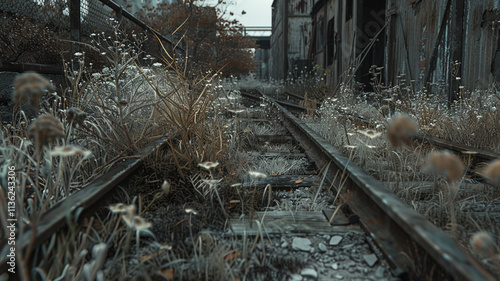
column 258, row 12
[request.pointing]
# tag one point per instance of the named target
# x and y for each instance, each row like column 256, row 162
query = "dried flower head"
column 208, row 165
column 46, row 127
column 401, row 129
column 370, row 133
column 140, row 223
column 70, row 150
column 76, row 116
column 492, row 172
column 482, row 243
column 118, row 208
column 29, row 87
column 257, row 174
column 191, row 211
column 444, row 161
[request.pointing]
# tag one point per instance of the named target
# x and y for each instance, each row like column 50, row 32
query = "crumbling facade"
column 449, row 46
column 291, row 36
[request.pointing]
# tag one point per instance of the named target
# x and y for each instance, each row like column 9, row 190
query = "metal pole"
column 74, row 15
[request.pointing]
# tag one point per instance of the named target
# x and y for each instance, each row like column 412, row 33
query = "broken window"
column 331, row 41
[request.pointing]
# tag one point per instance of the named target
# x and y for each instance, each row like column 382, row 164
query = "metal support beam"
column 126, row 14
column 74, row 19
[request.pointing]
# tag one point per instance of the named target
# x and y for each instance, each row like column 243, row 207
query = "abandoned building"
column 450, row 44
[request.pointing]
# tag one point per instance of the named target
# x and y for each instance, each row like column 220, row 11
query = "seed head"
column 492, row 172
column 370, row 133
column 118, row 208
column 208, row 165
column 401, row 129
column 257, row 174
column 29, row 87
column 46, row 127
column 482, row 243
column 191, row 211
column 76, row 116
column 140, row 223
column 69, row 150
column 444, row 161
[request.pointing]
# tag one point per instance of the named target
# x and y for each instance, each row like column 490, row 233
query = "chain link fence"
column 39, row 31
column 54, row 13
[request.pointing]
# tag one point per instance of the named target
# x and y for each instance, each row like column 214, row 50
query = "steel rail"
column 80, row 201
column 414, row 246
column 288, row 105
column 479, row 153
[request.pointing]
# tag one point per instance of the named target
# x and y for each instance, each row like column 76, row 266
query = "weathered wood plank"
column 276, row 154
column 287, row 222
column 282, row 182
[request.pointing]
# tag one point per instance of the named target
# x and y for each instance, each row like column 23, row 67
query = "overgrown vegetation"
column 110, row 111
column 376, row 130
column 213, row 41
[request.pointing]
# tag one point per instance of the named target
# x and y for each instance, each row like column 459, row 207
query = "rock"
column 309, row 272
column 285, row 252
column 295, row 277
column 335, row 240
column 302, row 244
column 322, row 247
column 345, row 247
column 326, row 237
column 370, row 260
column 335, row 266
column 380, row 272
column 350, row 264
column 338, row 276
column 284, row 245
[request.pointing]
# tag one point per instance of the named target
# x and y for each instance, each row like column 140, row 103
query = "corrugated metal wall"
column 290, row 37
column 443, row 44
column 448, row 46
column 277, row 58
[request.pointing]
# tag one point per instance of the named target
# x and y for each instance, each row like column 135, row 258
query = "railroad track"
column 410, row 242
column 415, row 248
column 82, row 202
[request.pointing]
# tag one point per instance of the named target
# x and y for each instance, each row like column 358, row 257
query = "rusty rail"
column 80, row 201
column 413, row 245
column 290, row 106
column 479, row 153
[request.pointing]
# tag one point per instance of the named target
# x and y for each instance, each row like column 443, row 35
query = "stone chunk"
column 302, row 244
column 295, row 277
column 335, row 240
column 309, row 272
column 380, row 272
column 370, row 260
column 322, row 247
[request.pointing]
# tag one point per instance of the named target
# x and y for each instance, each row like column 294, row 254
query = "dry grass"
column 444, row 197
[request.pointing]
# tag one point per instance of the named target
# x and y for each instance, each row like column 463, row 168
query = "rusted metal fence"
column 76, row 17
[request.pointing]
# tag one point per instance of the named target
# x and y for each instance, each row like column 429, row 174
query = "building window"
column 330, row 41
column 320, row 36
